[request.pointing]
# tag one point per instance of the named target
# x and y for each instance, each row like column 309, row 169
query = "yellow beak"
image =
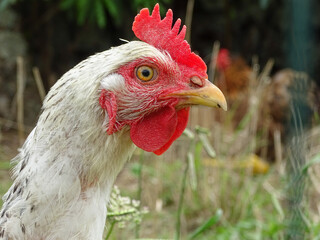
column 208, row 95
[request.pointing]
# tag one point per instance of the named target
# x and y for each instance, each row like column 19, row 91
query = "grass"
column 225, row 203
column 239, row 205
column 207, row 187
column 224, row 196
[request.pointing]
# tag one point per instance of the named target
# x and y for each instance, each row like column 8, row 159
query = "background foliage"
column 61, row 33
column 206, row 199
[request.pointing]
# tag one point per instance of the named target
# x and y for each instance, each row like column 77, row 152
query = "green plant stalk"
column 110, row 230
column 182, row 190
column 141, row 161
column 192, row 172
column 119, row 214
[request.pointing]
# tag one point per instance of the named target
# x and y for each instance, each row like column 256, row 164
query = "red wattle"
column 155, row 129
column 158, row 130
column 183, row 116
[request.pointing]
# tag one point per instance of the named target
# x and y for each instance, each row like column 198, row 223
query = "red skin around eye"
column 157, row 130
column 108, row 102
column 153, row 133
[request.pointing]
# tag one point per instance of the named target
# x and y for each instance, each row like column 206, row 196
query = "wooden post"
column 20, row 102
column 39, row 82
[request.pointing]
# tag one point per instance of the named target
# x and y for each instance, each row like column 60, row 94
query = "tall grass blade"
column 206, row 145
column 314, row 160
column 139, row 193
column 203, row 136
column 207, row 225
column 192, row 172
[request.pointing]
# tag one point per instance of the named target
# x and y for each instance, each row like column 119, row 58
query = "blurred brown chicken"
column 286, row 88
column 233, row 75
column 239, row 84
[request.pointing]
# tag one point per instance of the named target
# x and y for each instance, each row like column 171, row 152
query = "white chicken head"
column 154, row 84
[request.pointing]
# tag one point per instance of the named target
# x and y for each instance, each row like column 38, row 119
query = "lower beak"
column 208, row 95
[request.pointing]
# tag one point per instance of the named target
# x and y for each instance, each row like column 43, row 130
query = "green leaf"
column 100, row 14
column 112, row 8
column 67, row 4
column 277, row 205
column 314, row 160
column 208, row 224
column 244, row 121
column 83, row 9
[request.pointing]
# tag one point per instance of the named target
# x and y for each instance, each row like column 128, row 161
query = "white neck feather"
column 68, row 164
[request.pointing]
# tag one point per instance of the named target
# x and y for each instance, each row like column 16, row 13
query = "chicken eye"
column 145, row 73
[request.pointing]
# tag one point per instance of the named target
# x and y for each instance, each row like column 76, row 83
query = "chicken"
column 235, row 77
column 289, row 87
column 136, row 94
column 233, row 74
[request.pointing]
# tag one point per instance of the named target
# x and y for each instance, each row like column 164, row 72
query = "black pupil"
column 145, row 72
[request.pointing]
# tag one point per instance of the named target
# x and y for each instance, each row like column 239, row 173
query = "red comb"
column 151, row 29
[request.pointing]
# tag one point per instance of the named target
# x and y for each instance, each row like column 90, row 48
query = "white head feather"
column 67, row 166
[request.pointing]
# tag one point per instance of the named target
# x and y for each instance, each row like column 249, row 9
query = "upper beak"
column 207, row 95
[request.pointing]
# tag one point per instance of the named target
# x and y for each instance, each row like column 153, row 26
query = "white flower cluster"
column 124, row 210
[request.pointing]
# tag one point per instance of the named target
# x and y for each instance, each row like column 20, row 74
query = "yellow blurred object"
column 251, row 162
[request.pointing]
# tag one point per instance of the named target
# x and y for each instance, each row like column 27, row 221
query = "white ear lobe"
column 113, row 82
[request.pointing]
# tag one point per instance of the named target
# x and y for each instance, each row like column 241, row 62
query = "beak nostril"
column 196, row 81
column 218, row 105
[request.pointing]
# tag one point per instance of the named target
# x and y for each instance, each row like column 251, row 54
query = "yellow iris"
column 145, row 73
